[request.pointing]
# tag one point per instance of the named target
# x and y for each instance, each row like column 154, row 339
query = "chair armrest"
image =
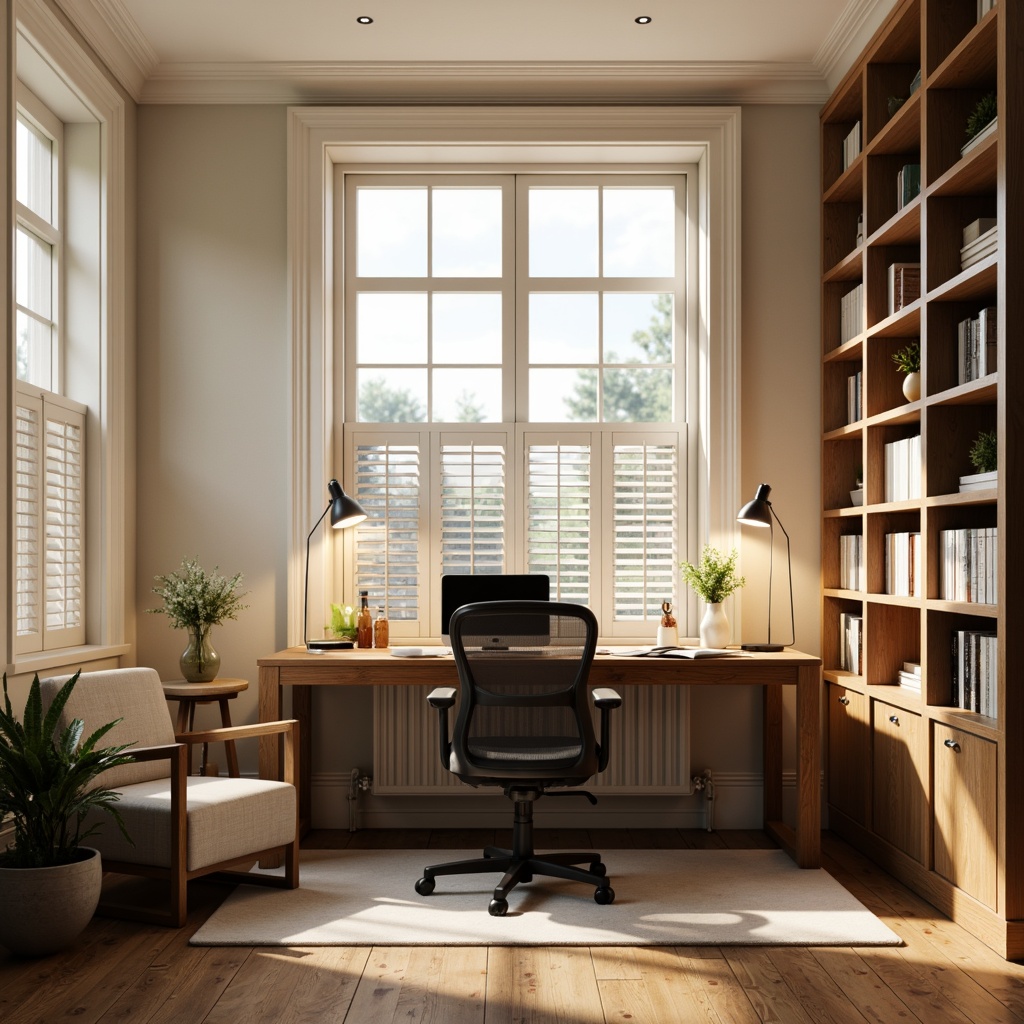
column 441, row 698
column 164, row 752
column 606, row 697
column 236, row 732
column 605, row 700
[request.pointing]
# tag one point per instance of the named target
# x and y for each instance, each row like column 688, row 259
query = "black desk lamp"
column 345, row 512
column 759, row 512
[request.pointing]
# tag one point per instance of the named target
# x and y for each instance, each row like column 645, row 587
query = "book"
column 977, row 228
column 704, row 652
column 904, row 285
column 851, row 145
column 908, row 184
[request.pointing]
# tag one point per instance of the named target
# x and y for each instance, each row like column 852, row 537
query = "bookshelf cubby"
column 925, row 787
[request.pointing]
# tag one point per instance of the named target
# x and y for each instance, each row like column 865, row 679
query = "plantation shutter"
column 558, row 516
column 645, row 525
column 389, row 486
column 473, row 511
column 49, row 501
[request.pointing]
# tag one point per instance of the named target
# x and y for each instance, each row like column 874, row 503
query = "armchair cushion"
column 227, row 819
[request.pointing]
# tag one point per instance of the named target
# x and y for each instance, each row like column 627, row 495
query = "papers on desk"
column 685, row 652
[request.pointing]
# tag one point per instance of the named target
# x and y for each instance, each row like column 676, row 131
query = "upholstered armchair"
column 182, row 826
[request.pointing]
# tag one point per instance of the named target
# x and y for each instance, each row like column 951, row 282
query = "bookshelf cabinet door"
column 964, row 801
column 849, row 744
column 899, row 797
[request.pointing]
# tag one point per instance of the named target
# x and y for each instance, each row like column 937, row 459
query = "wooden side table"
column 188, row 695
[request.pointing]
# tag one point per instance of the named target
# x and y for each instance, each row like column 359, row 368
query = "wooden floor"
column 139, row 974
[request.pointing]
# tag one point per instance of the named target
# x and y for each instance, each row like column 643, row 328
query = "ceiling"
column 313, row 50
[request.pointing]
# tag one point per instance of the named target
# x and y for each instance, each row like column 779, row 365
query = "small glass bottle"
column 668, row 632
column 364, row 623
column 380, row 630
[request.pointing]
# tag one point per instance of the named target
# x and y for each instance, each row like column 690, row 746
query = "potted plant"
column 49, row 880
column 713, row 579
column 908, row 361
column 983, row 114
column 984, row 456
column 195, row 600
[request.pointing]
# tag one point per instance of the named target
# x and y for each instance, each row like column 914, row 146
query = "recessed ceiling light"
column 364, row 19
column 644, row 19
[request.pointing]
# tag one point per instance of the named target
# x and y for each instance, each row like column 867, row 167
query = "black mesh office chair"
column 524, row 723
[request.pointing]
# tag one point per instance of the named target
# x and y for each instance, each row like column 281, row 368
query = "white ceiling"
column 295, row 50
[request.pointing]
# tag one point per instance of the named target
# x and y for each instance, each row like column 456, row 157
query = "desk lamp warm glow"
column 759, row 512
column 345, row 512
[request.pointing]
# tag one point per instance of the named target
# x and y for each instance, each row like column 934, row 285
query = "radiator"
column 649, row 744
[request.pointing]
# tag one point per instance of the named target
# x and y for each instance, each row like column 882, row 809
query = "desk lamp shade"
column 759, row 512
column 345, row 511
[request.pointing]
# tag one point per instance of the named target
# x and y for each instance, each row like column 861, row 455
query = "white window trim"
column 39, row 28
column 369, row 138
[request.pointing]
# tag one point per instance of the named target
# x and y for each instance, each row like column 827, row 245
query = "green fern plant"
column 908, row 360
column 47, row 780
column 984, row 452
column 714, row 578
column 981, row 115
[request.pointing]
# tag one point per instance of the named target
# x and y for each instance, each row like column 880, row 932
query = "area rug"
column 662, row 897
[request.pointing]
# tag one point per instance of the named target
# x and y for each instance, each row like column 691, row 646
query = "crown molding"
column 114, row 34
column 848, row 36
column 431, row 82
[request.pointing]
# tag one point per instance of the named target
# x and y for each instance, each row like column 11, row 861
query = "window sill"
column 68, row 659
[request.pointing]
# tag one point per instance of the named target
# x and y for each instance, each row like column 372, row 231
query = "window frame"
column 325, row 141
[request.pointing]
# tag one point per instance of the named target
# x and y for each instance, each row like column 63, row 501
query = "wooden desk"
column 188, row 695
column 301, row 671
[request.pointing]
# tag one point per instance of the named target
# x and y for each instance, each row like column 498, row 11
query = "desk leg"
column 808, row 762
column 270, row 746
column 302, row 710
column 772, row 752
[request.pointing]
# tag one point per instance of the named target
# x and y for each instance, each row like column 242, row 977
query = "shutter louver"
column 389, row 487
column 27, row 517
column 64, row 507
column 472, row 508
column 558, row 518
column 646, row 504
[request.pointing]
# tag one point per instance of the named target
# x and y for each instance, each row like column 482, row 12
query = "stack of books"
column 854, row 411
column 976, row 346
column 968, row 564
column 851, row 654
column 980, row 241
column 904, row 285
column 851, row 146
column 852, row 570
column 909, row 677
column 975, row 671
column 851, row 314
column 902, row 564
column 903, row 469
column 908, row 184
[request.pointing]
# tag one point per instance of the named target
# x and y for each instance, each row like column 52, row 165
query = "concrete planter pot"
column 43, row 910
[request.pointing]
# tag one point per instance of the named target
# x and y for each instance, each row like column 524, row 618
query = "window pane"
column 563, row 232
column 462, row 396
column 637, row 395
column 34, row 171
column 466, row 232
column 392, row 396
column 33, row 262
column 563, row 395
column 637, row 328
column 467, row 328
column 639, row 232
column 563, row 328
column 34, row 347
column 391, row 327
column 391, row 232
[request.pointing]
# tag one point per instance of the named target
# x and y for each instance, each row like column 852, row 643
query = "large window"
column 516, row 359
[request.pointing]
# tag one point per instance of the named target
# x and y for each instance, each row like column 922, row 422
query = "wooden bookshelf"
column 927, row 788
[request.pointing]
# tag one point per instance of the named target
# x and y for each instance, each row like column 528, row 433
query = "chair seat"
column 553, row 751
column 227, row 819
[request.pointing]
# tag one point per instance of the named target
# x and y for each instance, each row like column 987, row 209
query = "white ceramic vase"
column 714, row 627
column 912, row 386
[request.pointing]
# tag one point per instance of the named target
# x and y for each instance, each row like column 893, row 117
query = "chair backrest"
column 131, row 694
column 528, row 697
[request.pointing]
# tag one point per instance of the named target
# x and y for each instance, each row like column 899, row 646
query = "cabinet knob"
column 953, row 745
column 894, row 719
column 844, row 701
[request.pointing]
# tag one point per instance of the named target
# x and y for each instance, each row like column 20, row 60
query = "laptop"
column 458, row 589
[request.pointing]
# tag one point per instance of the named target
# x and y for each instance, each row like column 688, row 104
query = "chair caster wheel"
column 597, row 868
column 497, row 908
column 425, row 886
column 604, row 895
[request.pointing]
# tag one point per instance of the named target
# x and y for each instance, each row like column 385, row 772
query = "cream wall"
column 213, row 393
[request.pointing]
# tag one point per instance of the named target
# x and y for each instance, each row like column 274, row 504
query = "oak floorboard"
column 542, row 985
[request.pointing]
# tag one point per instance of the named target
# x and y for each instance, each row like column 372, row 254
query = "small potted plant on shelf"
column 983, row 453
column 49, row 879
column 713, row 579
column 979, row 121
column 908, row 361
column 857, row 494
column 195, row 600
